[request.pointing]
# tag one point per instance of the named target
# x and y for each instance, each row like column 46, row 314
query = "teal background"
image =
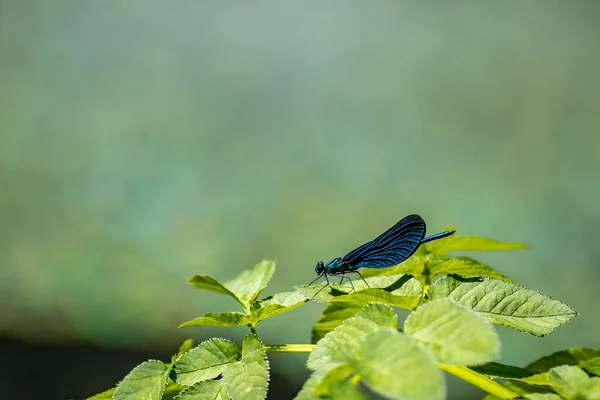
column 144, row 142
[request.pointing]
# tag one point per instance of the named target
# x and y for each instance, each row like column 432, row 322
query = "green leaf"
column 146, row 381
column 468, row 243
column 505, row 303
column 205, row 390
column 343, row 343
column 339, row 373
column 218, row 319
column 248, row 285
column 455, row 334
column 107, row 395
column 248, row 378
column 308, row 391
column 186, row 346
column 205, row 361
column 344, row 390
column 512, row 373
column 427, row 268
column 394, row 366
column 397, row 284
column 206, row 282
column 277, row 304
column 573, row 383
column 543, row 396
column 576, row 356
column 172, row 391
column 592, row 366
column 341, row 308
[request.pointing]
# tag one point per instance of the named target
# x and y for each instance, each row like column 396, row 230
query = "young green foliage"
column 467, row 243
column 248, row 378
column 358, row 341
column 454, row 334
column 206, row 361
column 505, row 303
column 146, row 381
column 573, row 383
column 404, row 292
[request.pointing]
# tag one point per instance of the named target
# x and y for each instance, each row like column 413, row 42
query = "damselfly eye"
column 320, row 267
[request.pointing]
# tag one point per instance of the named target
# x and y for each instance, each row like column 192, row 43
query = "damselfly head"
column 320, row 268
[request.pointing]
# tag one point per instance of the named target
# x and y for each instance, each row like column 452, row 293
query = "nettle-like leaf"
column 218, row 319
column 276, row 304
column 205, row 390
column 248, row 378
column 107, row 395
column 309, row 389
column 573, row 383
column 397, row 284
column 512, row 373
column 244, row 288
column 337, row 374
column 341, row 308
column 543, row 396
column 467, row 243
column 393, row 365
column 172, row 391
column 344, row 342
column 146, row 381
column 206, row 361
column 426, row 268
column 586, row 358
column 248, row 285
column 506, row 304
column 454, row 334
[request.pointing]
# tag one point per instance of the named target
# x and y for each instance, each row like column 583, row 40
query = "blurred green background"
column 144, row 142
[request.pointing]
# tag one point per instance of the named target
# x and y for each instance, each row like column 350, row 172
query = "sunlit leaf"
column 427, row 267
column 218, row 319
column 205, row 390
column 343, row 343
column 573, row 383
column 107, row 395
column 186, row 346
column 339, row 373
column 344, row 307
column 582, row 357
column 308, row 391
column 543, row 396
column 397, row 284
column 454, row 334
column 248, row 285
column 146, row 381
column 172, row 391
column 505, row 303
column 512, row 373
column 206, row 282
column 205, row 361
column 248, row 378
column 468, row 243
column 393, row 365
column 344, row 389
column 279, row 303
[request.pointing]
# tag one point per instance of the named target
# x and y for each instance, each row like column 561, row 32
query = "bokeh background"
column 144, row 142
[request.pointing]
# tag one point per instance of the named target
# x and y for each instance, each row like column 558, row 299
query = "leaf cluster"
column 454, row 303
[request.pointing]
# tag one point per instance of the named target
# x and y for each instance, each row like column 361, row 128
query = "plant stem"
column 289, row 348
column 480, row 381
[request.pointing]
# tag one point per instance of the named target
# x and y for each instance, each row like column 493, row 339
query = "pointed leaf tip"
column 248, row 284
column 146, row 381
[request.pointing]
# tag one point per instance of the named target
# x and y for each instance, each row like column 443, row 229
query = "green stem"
column 289, row 348
column 480, row 381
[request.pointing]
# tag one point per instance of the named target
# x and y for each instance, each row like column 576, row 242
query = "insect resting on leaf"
column 390, row 248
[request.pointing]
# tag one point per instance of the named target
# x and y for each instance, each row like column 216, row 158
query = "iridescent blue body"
column 390, row 248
